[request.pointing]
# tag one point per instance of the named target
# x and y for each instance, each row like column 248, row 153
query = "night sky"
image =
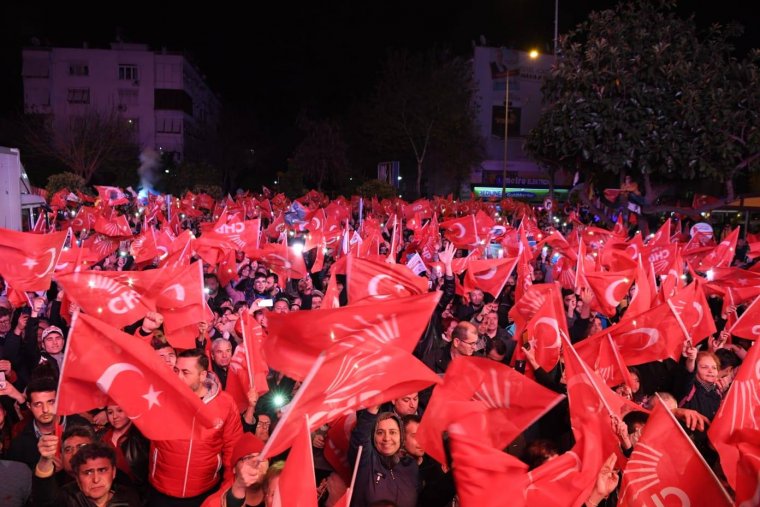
column 272, row 61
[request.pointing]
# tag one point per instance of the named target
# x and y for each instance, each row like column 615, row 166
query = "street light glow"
column 533, row 54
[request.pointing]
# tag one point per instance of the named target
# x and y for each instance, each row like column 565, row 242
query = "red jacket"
column 187, row 468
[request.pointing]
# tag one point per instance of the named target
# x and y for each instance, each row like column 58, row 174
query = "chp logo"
column 660, row 258
column 121, row 299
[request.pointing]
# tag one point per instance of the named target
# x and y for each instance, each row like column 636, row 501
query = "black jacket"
column 46, row 493
column 375, row 480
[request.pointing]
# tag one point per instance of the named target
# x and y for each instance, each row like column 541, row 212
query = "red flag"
column 102, row 363
column 483, row 394
column 281, row 259
column 702, row 201
column 113, row 227
column 297, row 484
column 112, row 196
column 691, row 307
column 370, row 282
column 546, row 329
column 651, row 336
column 462, row 232
column 487, row 477
column 296, row 339
column 748, row 469
column 747, row 326
column 27, row 260
column 347, row 377
column 337, row 442
column 489, row 275
column 602, row 354
column 144, row 248
column 247, row 370
column 610, row 288
column 123, row 297
column 721, row 255
column 665, row 464
column 739, row 411
column 642, row 299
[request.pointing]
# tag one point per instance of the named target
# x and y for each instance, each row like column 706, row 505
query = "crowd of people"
column 380, row 453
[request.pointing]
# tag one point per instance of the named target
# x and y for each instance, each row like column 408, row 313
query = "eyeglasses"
column 472, row 343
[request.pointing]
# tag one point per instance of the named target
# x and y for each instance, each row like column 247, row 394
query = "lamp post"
column 533, row 54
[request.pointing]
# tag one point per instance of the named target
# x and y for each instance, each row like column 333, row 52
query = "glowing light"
column 278, row 400
column 91, row 284
column 297, row 248
column 710, row 275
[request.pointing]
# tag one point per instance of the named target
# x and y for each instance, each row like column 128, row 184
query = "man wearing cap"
column 246, row 487
column 51, row 352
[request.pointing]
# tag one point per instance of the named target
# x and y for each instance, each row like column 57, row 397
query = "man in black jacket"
column 94, row 468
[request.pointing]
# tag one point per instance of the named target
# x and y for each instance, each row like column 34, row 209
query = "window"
column 128, row 72
column 128, row 97
column 79, row 96
column 79, row 69
column 169, row 125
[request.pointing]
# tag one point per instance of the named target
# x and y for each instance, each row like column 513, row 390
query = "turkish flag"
column 462, row 232
column 370, row 281
column 27, row 260
column 337, row 441
column 489, row 275
column 546, row 329
column 559, row 244
column 609, row 288
column 601, row 353
column 747, row 326
column 642, row 300
column 421, row 206
column 665, row 464
column 691, row 307
column 347, row 377
column 487, row 401
column 247, row 369
column 123, row 297
column 485, row 476
column 721, row 255
column 650, row 336
column 673, row 278
column 297, row 484
column 296, row 339
column 85, row 219
column 744, row 284
column 102, row 365
column 176, row 251
column 740, row 410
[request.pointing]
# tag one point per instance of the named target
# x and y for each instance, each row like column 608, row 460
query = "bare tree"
column 84, row 142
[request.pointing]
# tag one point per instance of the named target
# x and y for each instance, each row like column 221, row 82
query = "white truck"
column 19, row 207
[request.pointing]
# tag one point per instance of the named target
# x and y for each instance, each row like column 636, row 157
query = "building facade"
column 162, row 95
column 492, row 67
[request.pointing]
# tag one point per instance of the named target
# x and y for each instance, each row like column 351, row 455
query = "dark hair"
column 208, row 276
column 4, row 312
column 94, row 450
column 538, row 451
column 728, row 358
column 41, row 385
column 498, row 345
column 78, row 430
column 411, row 418
column 275, row 276
column 240, row 304
column 635, row 417
column 199, row 354
column 259, row 275
column 158, row 341
column 567, row 292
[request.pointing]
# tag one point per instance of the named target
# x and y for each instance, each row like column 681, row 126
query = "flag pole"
column 350, row 491
column 294, row 402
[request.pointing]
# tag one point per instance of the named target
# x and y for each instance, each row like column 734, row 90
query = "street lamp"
column 533, row 54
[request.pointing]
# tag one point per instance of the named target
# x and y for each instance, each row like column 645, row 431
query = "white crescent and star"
column 372, row 286
column 652, row 334
column 486, row 275
column 31, row 263
column 108, row 377
column 608, row 293
column 552, row 323
column 461, row 230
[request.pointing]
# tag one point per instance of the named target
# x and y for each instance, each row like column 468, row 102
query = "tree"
column 637, row 90
column 85, row 142
column 423, row 108
column 377, row 188
column 322, row 153
column 72, row 182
